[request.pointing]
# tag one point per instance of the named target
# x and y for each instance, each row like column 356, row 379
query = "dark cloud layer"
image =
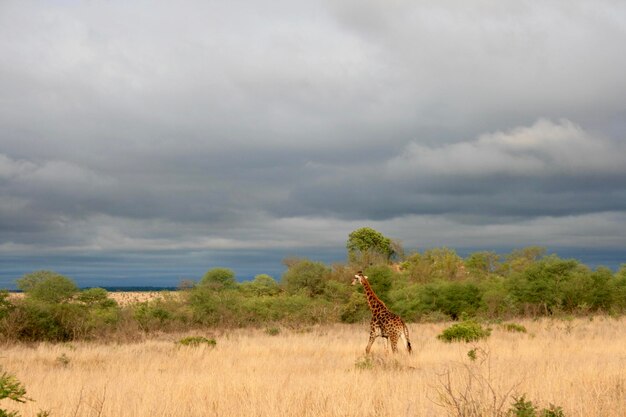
column 234, row 126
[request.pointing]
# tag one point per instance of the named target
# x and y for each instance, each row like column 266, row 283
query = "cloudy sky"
column 142, row 142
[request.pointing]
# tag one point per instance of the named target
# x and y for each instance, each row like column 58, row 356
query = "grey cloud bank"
column 170, row 139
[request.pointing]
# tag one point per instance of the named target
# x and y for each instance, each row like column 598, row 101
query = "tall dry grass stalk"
column 579, row 365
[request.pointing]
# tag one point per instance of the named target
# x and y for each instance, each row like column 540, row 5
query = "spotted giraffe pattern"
column 384, row 323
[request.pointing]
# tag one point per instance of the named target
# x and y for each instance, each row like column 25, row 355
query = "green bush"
column 12, row 389
column 197, row 341
column 467, row 331
column 47, row 286
column 618, row 291
column 272, row 331
column 305, row 276
column 300, row 309
column 337, row 291
column 239, row 308
column 262, row 284
column 210, row 307
column 219, row 279
column 54, row 310
column 152, row 315
column 5, row 304
column 514, row 327
column 381, row 278
column 454, row 299
column 96, row 297
column 545, row 286
column 355, row 310
column 459, row 298
column 523, row 408
column 34, row 320
column 496, row 301
column 367, row 246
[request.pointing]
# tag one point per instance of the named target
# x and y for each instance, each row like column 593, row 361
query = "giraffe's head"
column 358, row 277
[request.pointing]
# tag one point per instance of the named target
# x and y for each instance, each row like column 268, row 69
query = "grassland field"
column 123, row 298
column 578, row 364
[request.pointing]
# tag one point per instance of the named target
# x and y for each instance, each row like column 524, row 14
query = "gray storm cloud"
column 235, row 125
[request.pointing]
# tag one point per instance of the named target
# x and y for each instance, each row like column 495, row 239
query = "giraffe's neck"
column 375, row 303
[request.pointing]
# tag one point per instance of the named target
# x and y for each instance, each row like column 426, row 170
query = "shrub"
column 496, row 300
column 262, row 284
column 305, row 276
column 12, row 389
column 47, row 286
column 367, row 246
column 34, row 320
column 5, row 304
column 523, row 408
column 454, row 299
column 355, row 310
column 63, row 360
column 151, row 315
column 272, row 331
column 514, row 327
column 209, row 307
column 467, row 331
column 381, row 278
column 364, row 363
column 197, row 341
column 96, row 297
column 547, row 285
column 338, row 291
column 219, row 279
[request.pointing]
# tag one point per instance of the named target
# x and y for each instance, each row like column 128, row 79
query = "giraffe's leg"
column 406, row 336
column 393, row 338
column 372, row 337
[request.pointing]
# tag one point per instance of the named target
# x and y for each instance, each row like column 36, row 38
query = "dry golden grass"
column 123, row 298
column 579, row 365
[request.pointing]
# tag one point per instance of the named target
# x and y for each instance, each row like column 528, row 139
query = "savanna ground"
column 579, row 365
column 122, row 298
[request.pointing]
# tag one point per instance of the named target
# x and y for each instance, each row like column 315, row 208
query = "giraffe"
column 384, row 323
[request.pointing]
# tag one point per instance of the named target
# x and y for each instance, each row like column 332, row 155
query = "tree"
column 544, row 284
column 368, row 246
column 263, row 284
column 434, row 264
column 305, row 275
column 445, row 264
column 5, row 304
column 219, row 279
column 381, row 278
column 47, row 286
column 11, row 388
column 520, row 259
column 96, row 297
column 481, row 264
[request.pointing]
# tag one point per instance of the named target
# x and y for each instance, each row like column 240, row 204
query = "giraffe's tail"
column 406, row 336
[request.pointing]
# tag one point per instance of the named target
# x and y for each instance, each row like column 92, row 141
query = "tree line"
column 432, row 285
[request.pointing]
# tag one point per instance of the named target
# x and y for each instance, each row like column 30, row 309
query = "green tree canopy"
column 545, row 283
column 381, row 278
column 96, row 297
column 262, row 284
column 219, row 279
column 305, row 275
column 520, row 259
column 481, row 264
column 47, row 286
column 366, row 246
column 434, row 264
